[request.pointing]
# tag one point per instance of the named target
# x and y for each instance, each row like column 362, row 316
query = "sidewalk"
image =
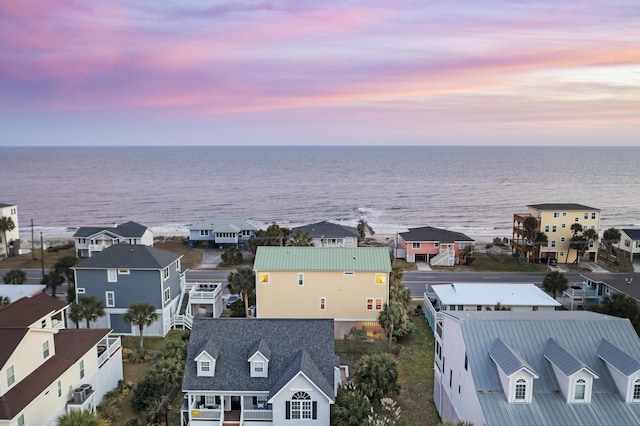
column 210, row 259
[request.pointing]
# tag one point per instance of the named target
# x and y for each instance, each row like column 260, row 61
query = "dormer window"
column 206, row 364
column 580, row 390
column 636, row 390
column 521, row 390
column 258, row 366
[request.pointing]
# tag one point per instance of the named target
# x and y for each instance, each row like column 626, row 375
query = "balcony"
column 432, row 311
column 83, row 399
column 106, row 348
column 198, row 409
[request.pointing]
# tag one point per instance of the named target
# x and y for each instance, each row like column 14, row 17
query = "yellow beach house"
column 350, row 285
column 555, row 220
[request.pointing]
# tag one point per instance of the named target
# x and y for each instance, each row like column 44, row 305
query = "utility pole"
column 33, row 250
column 42, row 254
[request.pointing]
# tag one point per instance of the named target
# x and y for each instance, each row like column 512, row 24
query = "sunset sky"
column 322, row 72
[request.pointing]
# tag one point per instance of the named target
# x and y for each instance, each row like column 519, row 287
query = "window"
column 167, row 294
column 564, row 214
column 110, row 299
column 323, row 303
column 636, row 390
column 561, row 254
column 178, row 265
column 546, row 228
column 204, row 232
column 378, row 304
column 123, row 272
column 466, row 362
column 112, row 276
column 562, row 239
column 463, row 246
column 45, row 349
column 415, row 245
column 59, row 388
column 381, row 278
column 586, row 215
column 627, row 243
column 450, row 377
column 576, row 219
column 205, row 366
column 82, row 368
column 165, row 273
column 80, row 290
column 258, row 366
column 436, row 245
column 564, row 226
column 264, row 278
column 553, row 243
column 301, row 407
column 554, row 228
column 593, row 215
column 478, row 307
column 21, row 420
column 521, row 389
column 556, row 214
column 581, row 389
column 43, row 323
column 638, row 244
column 374, row 304
column 349, row 273
column 11, row 376
column 300, row 278
column 461, row 307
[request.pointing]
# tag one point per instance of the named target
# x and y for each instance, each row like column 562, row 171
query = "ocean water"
column 474, row 190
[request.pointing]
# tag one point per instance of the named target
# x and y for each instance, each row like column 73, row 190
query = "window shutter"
column 287, row 409
column 314, row 410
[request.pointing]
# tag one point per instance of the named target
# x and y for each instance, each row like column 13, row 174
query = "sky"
column 321, row 72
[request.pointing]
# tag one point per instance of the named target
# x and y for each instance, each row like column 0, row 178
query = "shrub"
column 139, row 356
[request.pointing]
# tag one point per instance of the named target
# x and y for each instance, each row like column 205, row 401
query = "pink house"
column 429, row 244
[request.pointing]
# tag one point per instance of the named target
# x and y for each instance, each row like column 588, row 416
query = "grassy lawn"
column 414, row 356
column 503, row 263
column 25, row 261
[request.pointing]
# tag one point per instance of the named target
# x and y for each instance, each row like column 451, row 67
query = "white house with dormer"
column 260, row 372
column 556, row 368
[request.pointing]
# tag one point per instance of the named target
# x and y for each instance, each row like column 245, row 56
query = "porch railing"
column 107, row 347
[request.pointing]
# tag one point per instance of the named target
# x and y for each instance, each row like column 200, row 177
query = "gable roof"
column 235, row 338
column 564, row 360
column 126, row 230
column 27, row 310
column 528, row 332
column 508, row 360
column 262, row 347
column 326, row 229
column 70, row 346
column 561, row 206
column 491, row 294
column 373, row 259
column 225, row 225
column 627, row 283
column 3, row 205
column 617, row 358
column 429, row 233
column 634, row 234
column 130, row 257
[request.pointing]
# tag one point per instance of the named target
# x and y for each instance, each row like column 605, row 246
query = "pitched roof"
column 326, row 229
column 634, row 234
column 26, row 311
column 322, row 259
column 429, row 233
column 126, row 230
column 491, row 294
column 3, row 205
column 564, row 360
column 226, row 224
column 70, row 346
column 617, row 358
column 528, row 332
column 561, row 206
column 235, row 338
column 508, row 359
column 628, row 283
column 130, row 257
column 262, row 347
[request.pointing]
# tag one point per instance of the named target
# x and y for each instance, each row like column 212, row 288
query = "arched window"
column 636, row 390
column 581, row 389
column 521, row 389
column 301, row 407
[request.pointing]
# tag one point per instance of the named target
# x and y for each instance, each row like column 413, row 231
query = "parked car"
column 232, row 299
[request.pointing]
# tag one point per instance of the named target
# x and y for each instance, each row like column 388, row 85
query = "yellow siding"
column 346, row 295
column 27, row 357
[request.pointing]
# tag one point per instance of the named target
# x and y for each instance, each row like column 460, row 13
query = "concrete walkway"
column 423, row 266
column 210, row 259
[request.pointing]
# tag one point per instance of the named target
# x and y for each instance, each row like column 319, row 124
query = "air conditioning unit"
column 86, row 387
column 78, row 396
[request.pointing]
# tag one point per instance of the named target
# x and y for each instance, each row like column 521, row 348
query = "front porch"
column 220, row 410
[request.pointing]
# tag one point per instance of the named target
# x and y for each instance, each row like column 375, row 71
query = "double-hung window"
column 110, row 298
column 45, row 349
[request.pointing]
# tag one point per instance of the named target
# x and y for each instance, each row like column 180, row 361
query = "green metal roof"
column 322, row 259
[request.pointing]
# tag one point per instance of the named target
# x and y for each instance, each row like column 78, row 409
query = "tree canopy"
column 53, row 279
column 141, row 314
column 15, row 276
column 243, row 282
column 377, row 377
column 610, row 237
column 274, row 235
column 6, row 225
column 352, row 408
column 620, row 305
column 92, row 309
column 554, row 282
column 302, row 239
column 393, row 316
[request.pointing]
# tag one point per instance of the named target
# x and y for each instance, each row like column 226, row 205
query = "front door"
column 235, row 403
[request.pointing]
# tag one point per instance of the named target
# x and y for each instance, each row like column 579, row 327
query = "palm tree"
column 576, row 241
column 6, row 225
column 75, row 314
column 4, row 301
column 393, row 316
column 377, row 377
column 81, row 418
column 541, row 239
column 588, row 236
column 243, row 282
column 302, row 239
column 141, row 314
column 364, row 228
column 52, row 280
column 529, row 230
column 554, row 282
column 610, row 237
column 92, row 309
column 15, row 276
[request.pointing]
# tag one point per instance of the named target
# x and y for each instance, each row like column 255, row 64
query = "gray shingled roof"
column 617, row 358
column 126, row 230
column 326, row 229
column 297, row 345
column 564, row 360
column 262, row 347
column 561, row 206
column 429, row 233
column 129, row 256
column 634, row 234
column 628, row 283
column 3, row 205
column 580, row 332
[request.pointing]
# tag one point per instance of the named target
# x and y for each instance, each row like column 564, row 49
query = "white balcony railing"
column 107, row 347
column 261, row 414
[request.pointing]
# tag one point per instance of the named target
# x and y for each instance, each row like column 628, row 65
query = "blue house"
column 124, row 274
